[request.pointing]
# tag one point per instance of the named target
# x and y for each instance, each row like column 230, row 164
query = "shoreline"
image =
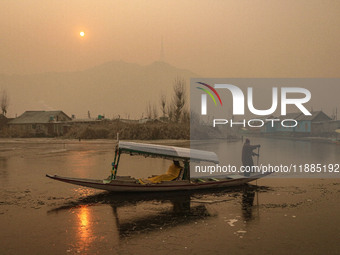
column 294, row 138
column 156, row 141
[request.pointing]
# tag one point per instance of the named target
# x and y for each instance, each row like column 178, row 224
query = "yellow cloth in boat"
column 171, row 174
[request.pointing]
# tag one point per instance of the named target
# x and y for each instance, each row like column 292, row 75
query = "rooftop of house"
column 29, row 117
column 301, row 117
column 313, row 116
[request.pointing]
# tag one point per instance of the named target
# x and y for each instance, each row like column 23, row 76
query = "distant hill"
column 114, row 88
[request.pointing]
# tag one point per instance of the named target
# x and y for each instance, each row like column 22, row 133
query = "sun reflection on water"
column 84, row 227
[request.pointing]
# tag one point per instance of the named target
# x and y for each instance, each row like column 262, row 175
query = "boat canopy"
column 168, row 152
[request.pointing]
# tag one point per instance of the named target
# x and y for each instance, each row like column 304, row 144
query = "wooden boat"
column 183, row 182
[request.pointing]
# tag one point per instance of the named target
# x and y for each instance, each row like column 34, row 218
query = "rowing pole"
column 257, row 163
column 258, row 155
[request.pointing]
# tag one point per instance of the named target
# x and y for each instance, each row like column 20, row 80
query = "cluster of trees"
column 175, row 109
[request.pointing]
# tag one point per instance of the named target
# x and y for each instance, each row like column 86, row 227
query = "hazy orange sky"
column 262, row 38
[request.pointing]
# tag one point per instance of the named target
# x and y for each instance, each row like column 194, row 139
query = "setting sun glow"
column 82, row 33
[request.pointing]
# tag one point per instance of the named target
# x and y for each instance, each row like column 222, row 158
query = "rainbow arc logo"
column 209, row 93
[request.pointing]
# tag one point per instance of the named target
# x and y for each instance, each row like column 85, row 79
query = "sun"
column 82, row 33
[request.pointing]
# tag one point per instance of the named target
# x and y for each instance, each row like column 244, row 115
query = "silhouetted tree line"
column 175, row 109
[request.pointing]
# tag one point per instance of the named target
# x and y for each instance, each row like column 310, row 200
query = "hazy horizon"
column 211, row 38
column 216, row 39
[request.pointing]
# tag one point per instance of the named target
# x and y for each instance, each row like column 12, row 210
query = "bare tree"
column 148, row 111
column 185, row 116
column 163, row 104
column 194, row 118
column 4, row 101
column 154, row 112
column 170, row 112
column 179, row 98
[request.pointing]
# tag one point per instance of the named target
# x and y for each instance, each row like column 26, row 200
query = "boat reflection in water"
column 248, row 195
column 161, row 213
column 138, row 214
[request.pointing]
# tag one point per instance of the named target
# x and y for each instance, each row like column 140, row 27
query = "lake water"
column 278, row 216
column 279, row 153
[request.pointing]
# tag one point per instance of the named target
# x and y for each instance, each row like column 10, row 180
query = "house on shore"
column 40, row 123
column 327, row 128
column 306, row 124
column 3, row 121
column 289, row 116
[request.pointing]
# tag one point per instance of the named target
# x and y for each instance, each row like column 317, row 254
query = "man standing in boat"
column 247, row 155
